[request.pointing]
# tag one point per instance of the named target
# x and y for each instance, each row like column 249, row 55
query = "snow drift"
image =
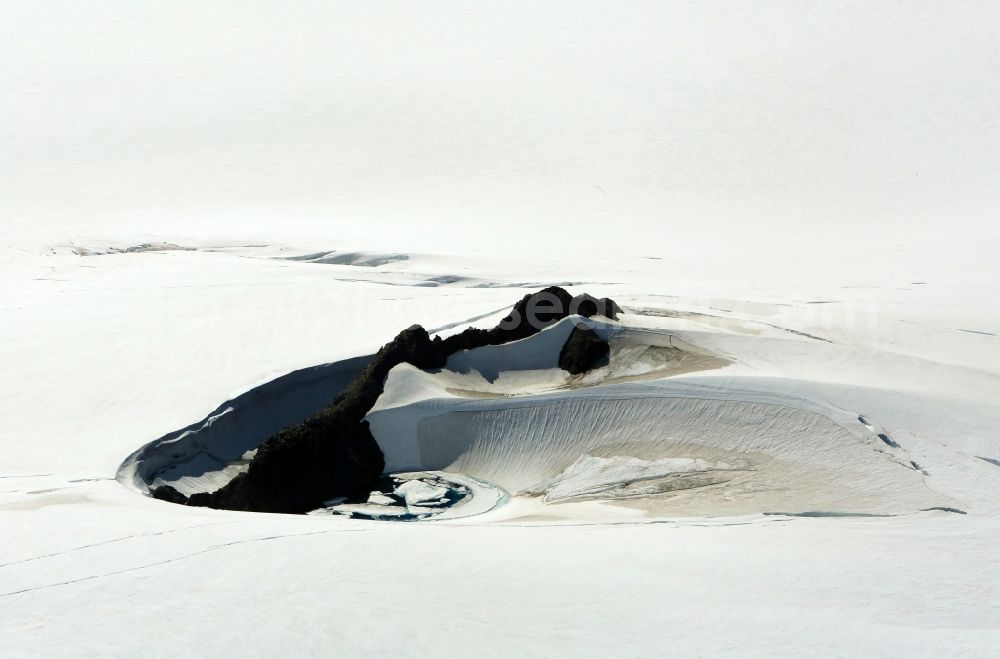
column 666, row 427
column 705, row 443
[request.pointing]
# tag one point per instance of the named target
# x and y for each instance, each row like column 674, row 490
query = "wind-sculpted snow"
column 795, row 203
column 781, row 452
column 659, row 429
column 599, row 507
column 332, row 454
column 760, row 443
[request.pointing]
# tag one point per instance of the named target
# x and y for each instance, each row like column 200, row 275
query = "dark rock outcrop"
column 583, row 351
column 587, row 306
column 169, row 494
column 333, row 454
column 532, row 314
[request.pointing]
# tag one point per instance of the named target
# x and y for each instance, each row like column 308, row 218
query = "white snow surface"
column 795, row 203
column 616, row 476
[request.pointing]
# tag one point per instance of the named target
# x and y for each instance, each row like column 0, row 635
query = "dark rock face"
column 587, row 306
column 333, row 454
column 325, row 457
column 168, row 493
column 532, row 314
column 583, row 351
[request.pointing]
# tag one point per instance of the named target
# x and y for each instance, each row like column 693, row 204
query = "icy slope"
column 777, row 448
column 199, row 198
column 106, row 566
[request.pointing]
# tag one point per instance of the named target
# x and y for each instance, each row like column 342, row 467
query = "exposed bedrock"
column 333, row 453
column 532, row 314
column 583, row 351
column 168, row 493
